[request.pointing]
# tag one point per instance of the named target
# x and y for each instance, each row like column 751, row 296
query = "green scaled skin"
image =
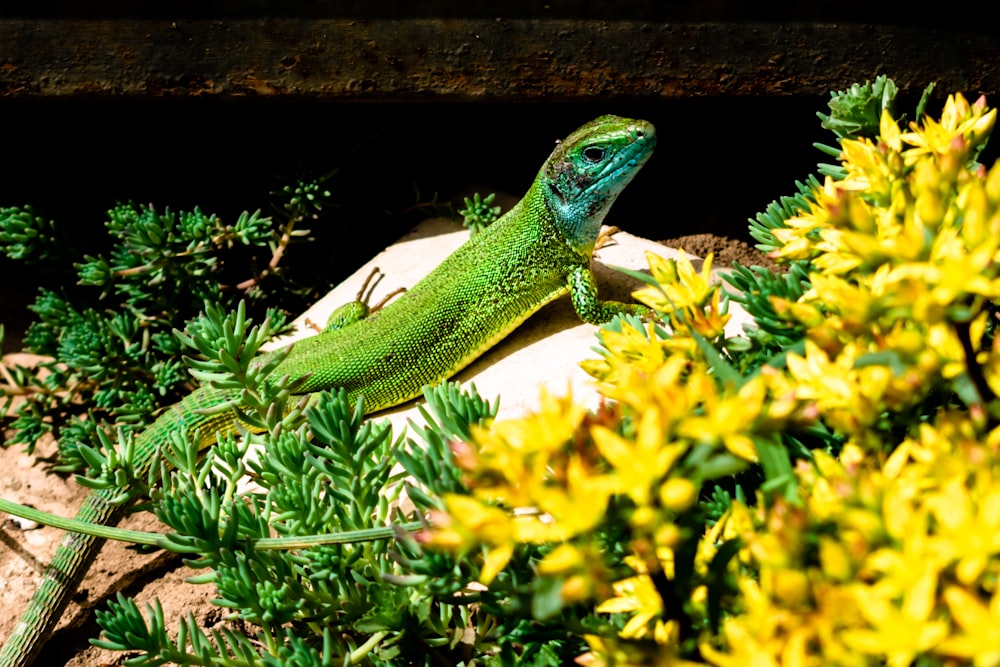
column 540, row 250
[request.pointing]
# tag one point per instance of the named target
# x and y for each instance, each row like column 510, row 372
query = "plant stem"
column 986, row 395
column 361, row 652
column 276, row 255
column 160, row 540
column 77, row 526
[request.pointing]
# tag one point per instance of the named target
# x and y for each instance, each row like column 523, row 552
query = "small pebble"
column 21, row 523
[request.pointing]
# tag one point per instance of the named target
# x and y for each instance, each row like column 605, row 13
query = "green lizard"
column 538, row 251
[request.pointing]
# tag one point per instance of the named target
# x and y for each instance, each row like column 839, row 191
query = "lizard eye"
column 594, row 154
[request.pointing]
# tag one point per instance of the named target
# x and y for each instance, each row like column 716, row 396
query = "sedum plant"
column 479, row 212
column 308, row 556
column 108, row 353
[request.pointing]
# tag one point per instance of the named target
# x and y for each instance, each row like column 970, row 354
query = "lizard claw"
column 605, row 239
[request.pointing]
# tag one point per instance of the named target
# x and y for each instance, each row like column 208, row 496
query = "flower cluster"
column 892, row 554
column 569, row 466
column 617, row 491
column 865, row 459
column 882, row 563
column 904, row 251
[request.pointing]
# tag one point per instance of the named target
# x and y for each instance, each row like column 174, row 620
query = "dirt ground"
column 119, row 569
column 24, row 550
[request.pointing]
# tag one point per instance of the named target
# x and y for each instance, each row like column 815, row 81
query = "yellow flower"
column 666, row 387
column 679, row 286
column 678, row 494
column 709, row 322
column 870, row 166
column 848, row 397
column 756, row 639
column 638, row 596
column 468, row 523
column 564, row 558
column 514, row 456
column 688, row 298
column 991, row 366
column 581, row 569
column 889, row 133
column 642, row 464
column 947, row 281
column 546, row 430
column 612, row 652
column 726, row 418
column 800, row 234
column 495, row 561
column 628, row 351
column 979, row 624
column 887, row 554
column 736, row 523
column 851, row 305
column 574, row 506
column 959, row 121
column 968, row 523
column 899, row 632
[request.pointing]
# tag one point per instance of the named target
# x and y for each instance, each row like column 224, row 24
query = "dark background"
column 416, row 113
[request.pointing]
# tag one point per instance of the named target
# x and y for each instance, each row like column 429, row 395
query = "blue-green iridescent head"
column 589, row 169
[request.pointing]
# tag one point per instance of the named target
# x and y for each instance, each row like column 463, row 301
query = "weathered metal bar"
column 463, row 59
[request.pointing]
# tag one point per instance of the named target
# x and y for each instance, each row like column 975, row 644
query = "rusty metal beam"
column 476, row 59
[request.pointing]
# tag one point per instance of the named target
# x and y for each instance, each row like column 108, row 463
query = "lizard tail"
column 59, row 581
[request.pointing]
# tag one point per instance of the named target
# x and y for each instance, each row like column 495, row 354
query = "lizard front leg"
column 590, row 308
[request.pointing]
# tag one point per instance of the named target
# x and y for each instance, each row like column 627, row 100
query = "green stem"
column 346, row 537
column 361, row 652
column 77, row 526
column 159, row 540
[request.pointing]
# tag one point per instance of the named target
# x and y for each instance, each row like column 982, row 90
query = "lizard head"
column 588, row 170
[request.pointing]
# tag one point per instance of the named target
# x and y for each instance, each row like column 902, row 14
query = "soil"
column 24, row 549
column 726, row 250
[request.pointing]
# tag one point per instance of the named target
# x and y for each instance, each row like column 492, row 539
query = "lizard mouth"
column 629, row 159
